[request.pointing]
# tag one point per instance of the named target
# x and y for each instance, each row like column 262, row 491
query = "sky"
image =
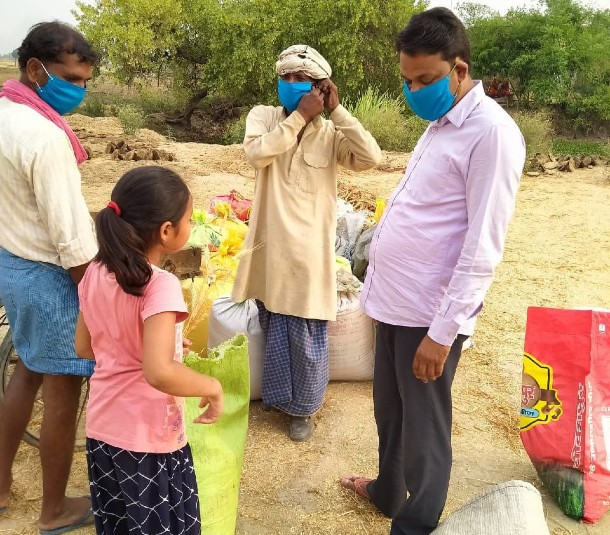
column 16, row 16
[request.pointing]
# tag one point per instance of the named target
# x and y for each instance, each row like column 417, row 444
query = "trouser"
column 414, row 427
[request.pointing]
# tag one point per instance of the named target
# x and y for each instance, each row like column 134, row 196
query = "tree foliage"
column 229, row 47
column 555, row 55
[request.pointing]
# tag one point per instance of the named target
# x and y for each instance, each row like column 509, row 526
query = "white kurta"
column 290, row 264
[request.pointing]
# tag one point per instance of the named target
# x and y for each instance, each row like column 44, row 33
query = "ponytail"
column 122, row 251
column 142, row 201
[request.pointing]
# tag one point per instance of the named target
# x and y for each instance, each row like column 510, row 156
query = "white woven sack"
column 228, row 319
column 351, row 337
column 511, row 508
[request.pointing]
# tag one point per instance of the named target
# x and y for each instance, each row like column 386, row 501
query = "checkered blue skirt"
column 142, row 493
column 295, row 371
column 41, row 304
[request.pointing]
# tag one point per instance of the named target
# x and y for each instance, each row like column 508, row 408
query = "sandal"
column 86, row 520
column 358, row 485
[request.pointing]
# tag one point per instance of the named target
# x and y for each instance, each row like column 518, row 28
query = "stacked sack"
column 351, row 338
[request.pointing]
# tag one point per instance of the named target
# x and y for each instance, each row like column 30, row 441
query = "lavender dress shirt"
column 433, row 255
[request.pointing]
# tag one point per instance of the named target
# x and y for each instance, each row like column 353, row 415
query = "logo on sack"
column 539, row 401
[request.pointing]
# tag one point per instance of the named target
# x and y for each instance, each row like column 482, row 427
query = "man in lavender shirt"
column 432, row 261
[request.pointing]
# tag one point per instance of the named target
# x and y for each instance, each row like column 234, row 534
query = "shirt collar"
column 460, row 112
column 316, row 123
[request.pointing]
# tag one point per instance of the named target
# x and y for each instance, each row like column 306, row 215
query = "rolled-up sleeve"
column 56, row 182
column 492, row 181
column 357, row 149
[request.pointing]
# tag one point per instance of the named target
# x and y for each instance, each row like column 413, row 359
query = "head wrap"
column 305, row 59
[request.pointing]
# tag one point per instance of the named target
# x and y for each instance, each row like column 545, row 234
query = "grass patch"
column 235, row 132
column 537, row 130
column 387, row 119
column 131, row 118
column 574, row 147
column 92, row 107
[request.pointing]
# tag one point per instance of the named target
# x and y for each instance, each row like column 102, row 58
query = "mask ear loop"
column 459, row 83
column 45, row 70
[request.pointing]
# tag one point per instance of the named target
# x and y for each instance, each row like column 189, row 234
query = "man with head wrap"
column 291, row 268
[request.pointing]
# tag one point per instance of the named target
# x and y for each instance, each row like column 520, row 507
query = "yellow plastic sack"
column 379, row 209
column 199, row 294
column 225, row 217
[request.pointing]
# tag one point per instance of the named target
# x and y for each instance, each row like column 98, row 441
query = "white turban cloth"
column 305, row 59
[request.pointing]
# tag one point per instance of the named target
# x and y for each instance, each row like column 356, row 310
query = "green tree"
column 229, row 47
column 555, row 55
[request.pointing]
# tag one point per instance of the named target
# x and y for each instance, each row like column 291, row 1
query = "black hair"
column 433, row 31
column 147, row 197
column 46, row 41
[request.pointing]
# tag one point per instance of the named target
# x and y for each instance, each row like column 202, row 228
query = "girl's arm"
column 82, row 339
column 164, row 373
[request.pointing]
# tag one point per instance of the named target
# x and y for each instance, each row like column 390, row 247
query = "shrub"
column 387, row 120
column 92, row 107
column 131, row 118
column 150, row 100
column 537, row 130
column 236, row 131
column 573, row 147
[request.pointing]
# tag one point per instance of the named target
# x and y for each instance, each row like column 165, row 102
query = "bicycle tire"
column 30, row 436
column 6, row 350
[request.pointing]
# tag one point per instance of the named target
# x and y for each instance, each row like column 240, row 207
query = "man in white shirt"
column 46, row 242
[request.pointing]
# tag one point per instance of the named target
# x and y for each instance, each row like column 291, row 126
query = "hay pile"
column 358, row 197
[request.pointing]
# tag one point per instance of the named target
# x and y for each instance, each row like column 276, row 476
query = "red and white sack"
column 565, row 407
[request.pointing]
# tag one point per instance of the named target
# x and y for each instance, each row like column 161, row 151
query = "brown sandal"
column 358, row 485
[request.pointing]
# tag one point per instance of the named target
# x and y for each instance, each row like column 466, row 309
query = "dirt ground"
column 556, row 255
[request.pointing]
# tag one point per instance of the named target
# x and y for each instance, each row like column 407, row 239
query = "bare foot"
column 74, row 510
column 5, row 492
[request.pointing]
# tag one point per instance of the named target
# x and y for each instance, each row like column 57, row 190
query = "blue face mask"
column 61, row 95
column 432, row 101
column 291, row 93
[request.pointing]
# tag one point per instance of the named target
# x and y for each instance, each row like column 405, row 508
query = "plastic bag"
column 379, row 209
column 203, row 233
column 360, row 259
column 228, row 319
column 239, row 204
column 218, row 448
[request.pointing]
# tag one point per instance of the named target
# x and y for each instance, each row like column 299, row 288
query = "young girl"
column 131, row 312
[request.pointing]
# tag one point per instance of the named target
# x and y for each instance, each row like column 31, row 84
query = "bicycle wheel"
column 8, row 361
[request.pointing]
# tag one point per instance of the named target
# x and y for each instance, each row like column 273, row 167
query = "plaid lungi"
column 295, row 371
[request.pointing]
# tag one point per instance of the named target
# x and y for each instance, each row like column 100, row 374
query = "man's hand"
column 186, row 346
column 311, row 105
column 331, row 94
column 430, row 359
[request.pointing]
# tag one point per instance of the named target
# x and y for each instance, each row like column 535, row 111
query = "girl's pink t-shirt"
column 123, row 409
